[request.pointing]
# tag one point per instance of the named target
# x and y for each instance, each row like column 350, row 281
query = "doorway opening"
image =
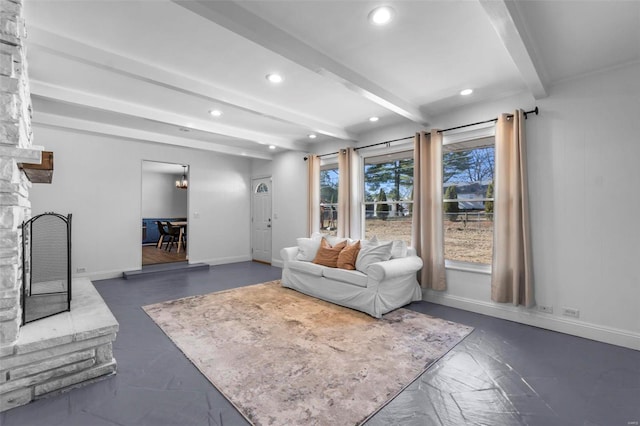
column 164, row 215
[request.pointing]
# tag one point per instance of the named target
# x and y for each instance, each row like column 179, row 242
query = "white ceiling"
column 151, row 70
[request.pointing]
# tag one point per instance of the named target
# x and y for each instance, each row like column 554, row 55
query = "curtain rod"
column 533, row 111
column 323, row 155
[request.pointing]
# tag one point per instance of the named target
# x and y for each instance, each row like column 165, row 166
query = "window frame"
column 478, row 132
column 330, row 163
column 375, row 152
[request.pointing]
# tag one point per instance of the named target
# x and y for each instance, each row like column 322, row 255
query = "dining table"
column 182, row 224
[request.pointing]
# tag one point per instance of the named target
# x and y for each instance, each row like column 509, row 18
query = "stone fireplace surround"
column 59, row 352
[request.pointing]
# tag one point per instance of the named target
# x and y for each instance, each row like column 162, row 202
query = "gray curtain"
column 428, row 232
column 511, row 273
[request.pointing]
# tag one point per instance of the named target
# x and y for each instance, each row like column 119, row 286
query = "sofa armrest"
column 393, row 268
column 289, row 253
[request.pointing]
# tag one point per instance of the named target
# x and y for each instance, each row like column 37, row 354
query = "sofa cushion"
column 306, row 267
column 371, row 253
column 327, row 255
column 308, row 248
column 349, row 277
column 398, row 249
column 348, row 255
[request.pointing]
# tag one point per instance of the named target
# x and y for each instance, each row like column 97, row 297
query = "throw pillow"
column 333, row 240
column 348, row 255
column 373, row 241
column 327, row 255
column 307, row 248
column 372, row 253
column 398, row 249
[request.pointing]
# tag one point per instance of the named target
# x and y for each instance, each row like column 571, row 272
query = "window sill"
column 476, row 268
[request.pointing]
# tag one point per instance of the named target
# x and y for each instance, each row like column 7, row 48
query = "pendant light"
column 182, row 183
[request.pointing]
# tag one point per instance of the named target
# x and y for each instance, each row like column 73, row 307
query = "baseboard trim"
column 225, row 260
column 103, row 275
column 614, row 336
column 106, row 275
column 277, row 262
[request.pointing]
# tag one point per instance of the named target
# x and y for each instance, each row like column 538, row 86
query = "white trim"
column 614, row 336
column 479, row 131
column 475, row 268
column 118, row 273
column 224, row 260
column 278, row 263
column 103, row 275
column 384, row 150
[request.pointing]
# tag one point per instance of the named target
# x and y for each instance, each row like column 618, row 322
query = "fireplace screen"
column 46, row 266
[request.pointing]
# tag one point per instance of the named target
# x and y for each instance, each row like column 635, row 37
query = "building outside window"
column 468, row 176
column 388, row 196
column 329, row 199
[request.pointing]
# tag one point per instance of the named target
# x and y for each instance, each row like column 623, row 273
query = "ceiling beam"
column 77, row 97
column 506, row 21
column 239, row 20
column 133, row 68
column 76, row 124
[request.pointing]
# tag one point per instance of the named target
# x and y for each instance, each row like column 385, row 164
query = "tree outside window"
column 329, row 177
column 388, row 196
column 468, row 169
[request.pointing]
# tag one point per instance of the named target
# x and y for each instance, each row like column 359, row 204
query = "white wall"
column 583, row 155
column 160, row 197
column 98, row 180
column 289, row 202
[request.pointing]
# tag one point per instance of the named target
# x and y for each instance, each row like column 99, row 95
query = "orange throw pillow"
column 347, row 257
column 327, row 255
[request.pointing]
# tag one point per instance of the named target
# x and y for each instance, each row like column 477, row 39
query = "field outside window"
column 468, row 171
column 388, row 196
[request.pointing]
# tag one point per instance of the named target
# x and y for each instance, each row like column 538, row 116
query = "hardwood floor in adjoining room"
column 152, row 255
column 503, row 374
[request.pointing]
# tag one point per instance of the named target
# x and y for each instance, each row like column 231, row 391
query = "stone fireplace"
column 62, row 351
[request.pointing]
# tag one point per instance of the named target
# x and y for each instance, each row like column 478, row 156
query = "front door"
column 261, row 220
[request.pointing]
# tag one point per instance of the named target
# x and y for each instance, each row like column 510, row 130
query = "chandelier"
column 182, row 183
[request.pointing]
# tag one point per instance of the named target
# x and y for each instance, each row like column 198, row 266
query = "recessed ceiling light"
column 381, row 15
column 312, row 136
column 215, row 112
column 274, row 78
column 272, row 147
column 373, row 119
column 466, row 92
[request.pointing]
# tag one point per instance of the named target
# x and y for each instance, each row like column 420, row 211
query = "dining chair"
column 174, row 234
column 163, row 234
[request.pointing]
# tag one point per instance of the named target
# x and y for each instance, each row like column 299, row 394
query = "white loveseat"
column 377, row 288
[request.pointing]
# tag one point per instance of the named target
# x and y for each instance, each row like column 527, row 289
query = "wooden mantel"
column 40, row 173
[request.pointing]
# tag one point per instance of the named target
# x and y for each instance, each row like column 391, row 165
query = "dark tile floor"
column 504, row 373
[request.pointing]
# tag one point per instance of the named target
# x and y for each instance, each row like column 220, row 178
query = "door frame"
column 188, row 175
column 255, row 178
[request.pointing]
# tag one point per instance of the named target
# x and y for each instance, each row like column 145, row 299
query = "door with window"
column 261, row 220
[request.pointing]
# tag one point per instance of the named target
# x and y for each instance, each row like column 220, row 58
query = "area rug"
column 284, row 358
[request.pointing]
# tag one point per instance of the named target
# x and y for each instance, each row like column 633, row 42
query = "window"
column 468, row 169
column 388, row 196
column 329, row 199
column 262, row 188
